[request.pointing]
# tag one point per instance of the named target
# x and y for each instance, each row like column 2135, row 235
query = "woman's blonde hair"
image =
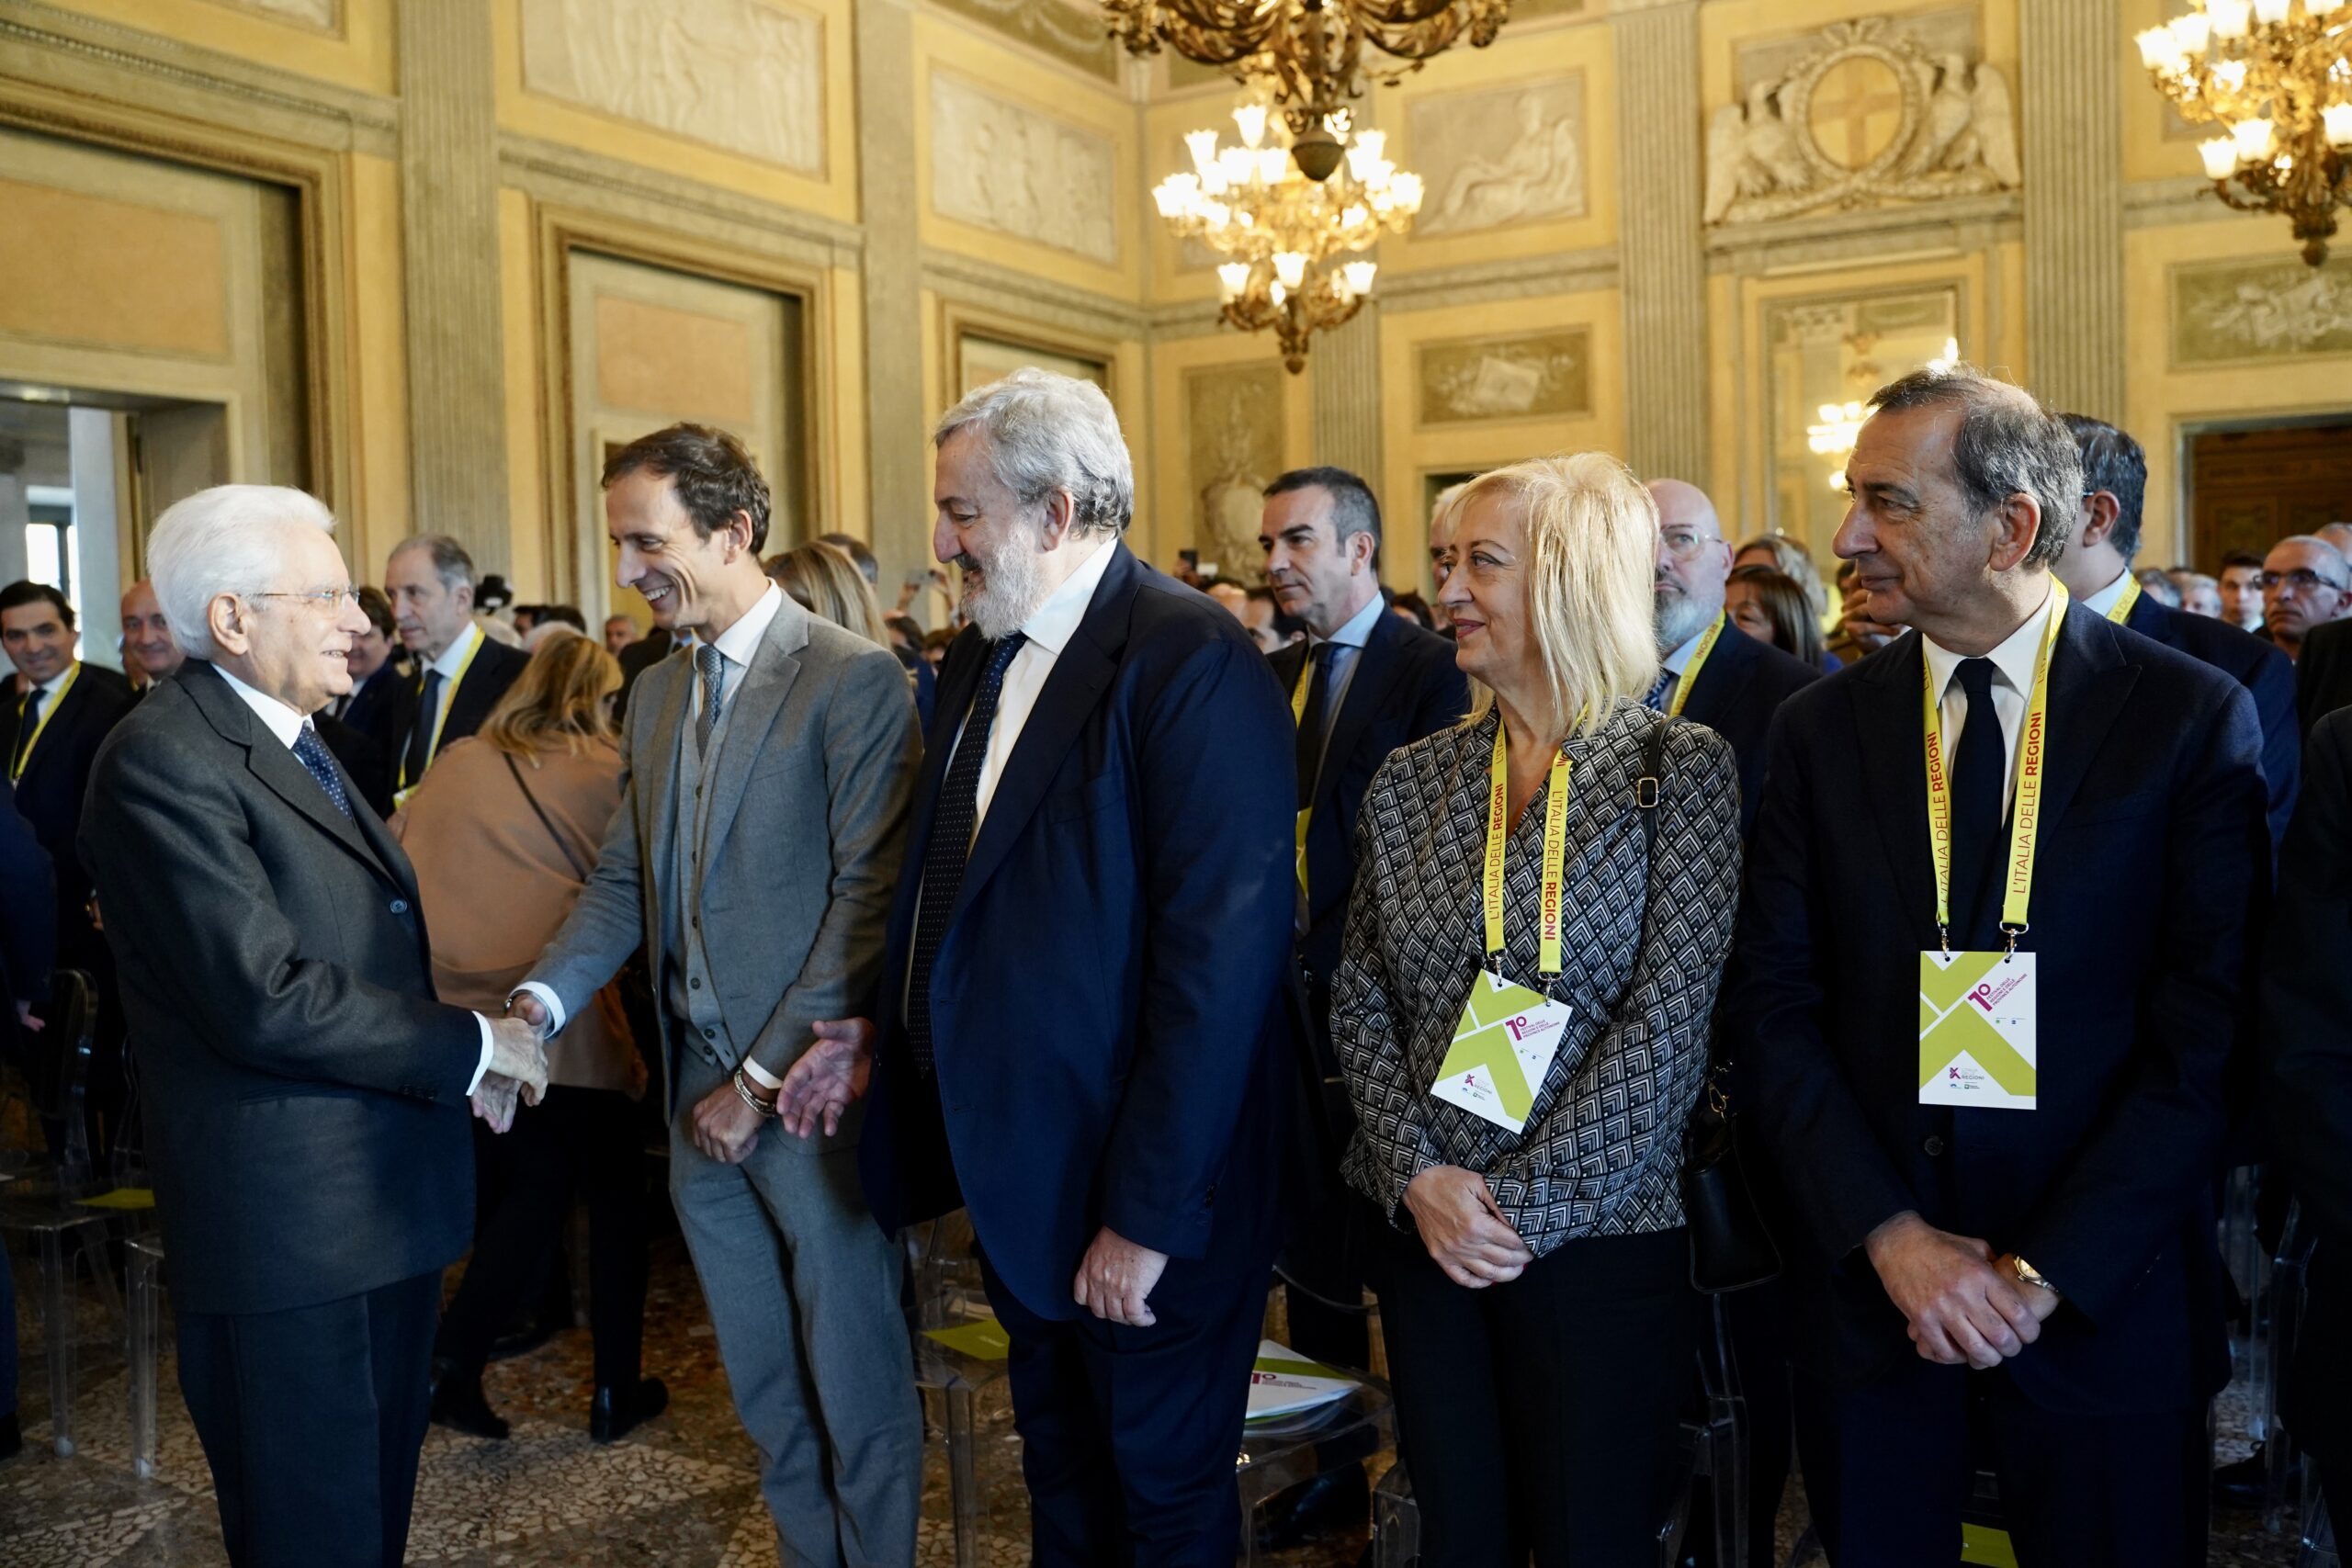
column 824, row 581
column 1591, row 558
column 560, row 696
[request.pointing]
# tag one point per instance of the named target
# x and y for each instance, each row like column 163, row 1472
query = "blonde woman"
column 502, row 832
column 1529, row 1247
column 824, row 581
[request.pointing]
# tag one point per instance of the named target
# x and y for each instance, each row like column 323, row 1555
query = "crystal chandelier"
column 2277, row 76
column 1285, row 230
column 1310, row 50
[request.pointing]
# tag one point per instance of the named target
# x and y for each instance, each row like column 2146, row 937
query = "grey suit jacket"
column 809, row 819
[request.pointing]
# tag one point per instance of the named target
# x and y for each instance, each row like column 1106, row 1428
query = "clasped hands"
column 517, row 1072
column 1964, row 1306
column 1464, row 1231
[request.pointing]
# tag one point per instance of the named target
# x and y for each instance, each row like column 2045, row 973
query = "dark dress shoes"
column 458, row 1403
column 618, row 1411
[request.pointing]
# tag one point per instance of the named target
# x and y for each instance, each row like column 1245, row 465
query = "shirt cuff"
column 760, row 1074
column 483, row 1066
column 555, row 1019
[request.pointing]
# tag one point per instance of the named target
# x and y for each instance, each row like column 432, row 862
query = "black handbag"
column 1731, row 1248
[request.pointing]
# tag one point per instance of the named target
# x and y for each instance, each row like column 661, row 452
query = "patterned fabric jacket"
column 1601, row 1154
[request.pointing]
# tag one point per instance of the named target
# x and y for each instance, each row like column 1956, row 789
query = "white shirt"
column 287, row 723
column 2100, row 602
column 2012, row 682
column 1048, row 632
column 453, row 660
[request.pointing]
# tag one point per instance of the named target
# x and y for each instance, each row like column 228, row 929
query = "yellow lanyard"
column 1556, row 818
column 2121, row 610
column 1298, row 720
column 2026, row 820
column 1691, row 670
column 441, row 719
column 24, row 759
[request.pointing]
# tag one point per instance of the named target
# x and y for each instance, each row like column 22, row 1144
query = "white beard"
column 1677, row 620
column 1012, row 588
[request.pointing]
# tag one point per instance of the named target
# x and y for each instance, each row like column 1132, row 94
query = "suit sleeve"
column 2306, row 991
column 169, row 847
column 1215, row 773
column 1844, row 1185
column 608, row 921
column 2282, row 745
column 29, row 914
column 2119, row 1200
column 872, row 751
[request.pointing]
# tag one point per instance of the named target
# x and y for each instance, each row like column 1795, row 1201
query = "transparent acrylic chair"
column 1279, row 1454
column 143, row 1306
column 944, row 1280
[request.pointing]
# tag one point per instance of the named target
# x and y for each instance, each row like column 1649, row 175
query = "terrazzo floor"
column 680, row 1489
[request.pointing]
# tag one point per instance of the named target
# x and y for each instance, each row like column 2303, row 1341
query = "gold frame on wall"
column 960, row 319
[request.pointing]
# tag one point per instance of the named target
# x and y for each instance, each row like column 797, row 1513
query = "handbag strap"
column 540, row 812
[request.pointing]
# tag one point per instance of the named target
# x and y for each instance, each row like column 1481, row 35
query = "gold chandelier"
column 1311, row 51
column 1286, row 231
column 2276, row 76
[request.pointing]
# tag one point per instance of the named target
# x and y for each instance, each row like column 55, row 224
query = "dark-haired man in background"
column 2240, row 581
column 460, row 673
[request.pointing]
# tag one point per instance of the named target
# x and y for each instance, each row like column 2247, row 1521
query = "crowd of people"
column 1199, row 938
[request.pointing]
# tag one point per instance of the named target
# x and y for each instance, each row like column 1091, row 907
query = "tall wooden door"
column 2252, row 487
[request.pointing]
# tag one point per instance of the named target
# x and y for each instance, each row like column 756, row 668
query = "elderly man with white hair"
column 1082, row 1038
column 306, row 1106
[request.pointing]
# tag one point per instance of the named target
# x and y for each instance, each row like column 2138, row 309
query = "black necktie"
column 709, row 663
column 950, row 847
column 1310, row 719
column 27, row 725
column 420, row 734
column 312, row 752
column 1978, row 765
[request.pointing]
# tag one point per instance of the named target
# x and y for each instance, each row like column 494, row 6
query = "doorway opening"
column 2249, row 488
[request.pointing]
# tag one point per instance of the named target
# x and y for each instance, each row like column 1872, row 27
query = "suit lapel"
column 656, row 764
column 1723, row 679
column 1375, row 675
column 1885, row 694
column 55, row 732
column 2089, row 681
column 276, row 766
column 754, row 708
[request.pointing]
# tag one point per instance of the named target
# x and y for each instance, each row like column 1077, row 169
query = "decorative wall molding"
column 998, row 165
column 1033, row 298
column 1345, row 407
column 891, row 289
column 1478, row 283
column 1870, row 235
column 1542, row 375
column 1499, row 157
column 1066, row 33
column 2258, row 311
column 2074, row 207
column 552, row 172
column 1664, row 268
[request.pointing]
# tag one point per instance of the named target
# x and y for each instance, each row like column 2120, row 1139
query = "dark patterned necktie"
column 312, row 752
column 1310, row 719
column 1656, row 701
column 709, row 663
column 951, row 847
column 1977, row 766
column 420, row 736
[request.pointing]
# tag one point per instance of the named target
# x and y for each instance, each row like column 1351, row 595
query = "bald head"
column 1692, row 563
column 1682, row 506
column 2339, row 534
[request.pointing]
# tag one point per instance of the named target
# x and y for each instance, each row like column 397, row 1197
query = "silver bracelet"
column 759, row 1107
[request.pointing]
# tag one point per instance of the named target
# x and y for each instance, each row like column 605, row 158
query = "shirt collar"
column 48, row 688
column 739, row 642
column 453, row 657
column 1056, row 621
column 2014, row 658
column 2100, row 602
column 1356, row 630
column 280, row 718
column 1679, row 660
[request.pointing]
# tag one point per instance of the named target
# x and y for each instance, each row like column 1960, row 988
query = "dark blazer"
column 2262, row 668
column 1738, row 690
column 57, row 776
column 1405, row 686
column 2154, row 854
column 635, row 659
column 1110, row 1044
column 27, row 915
column 363, row 757
column 2322, row 671
column 306, row 1118
column 494, row 669
column 375, row 706
column 2307, row 1076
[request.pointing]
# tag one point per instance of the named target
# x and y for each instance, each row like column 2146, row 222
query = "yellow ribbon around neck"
column 24, row 759
column 2120, row 611
column 1555, row 819
column 441, row 718
column 1298, row 720
column 2026, row 817
column 1690, row 677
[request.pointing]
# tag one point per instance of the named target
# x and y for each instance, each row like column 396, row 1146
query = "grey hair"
column 1046, row 433
column 222, row 540
column 2008, row 445
column 454, row 568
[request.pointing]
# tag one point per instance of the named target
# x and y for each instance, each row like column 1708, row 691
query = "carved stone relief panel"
column 1001, row 165
column 1233, row 425
column 1071, row 34
column 1860, row 113
column 743, row 75
column 2232, row 312
column 1532, row 376
column 1498, row 157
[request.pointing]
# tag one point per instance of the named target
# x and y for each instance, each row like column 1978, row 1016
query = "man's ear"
column 2100, row 511
column 229, row 620
column 1060, row 512
column 2016, row 524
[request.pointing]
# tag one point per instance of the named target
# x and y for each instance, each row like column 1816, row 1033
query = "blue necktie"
column 950, row 847
column 1656, row 701
column 312, row 752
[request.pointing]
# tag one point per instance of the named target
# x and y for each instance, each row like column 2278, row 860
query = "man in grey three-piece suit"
column 767, row 773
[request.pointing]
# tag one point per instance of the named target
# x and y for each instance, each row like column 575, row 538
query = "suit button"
column 710, row 1035
column 1934, row 1144
column 696, row 983
column 1210, row 1201
column 399, row 906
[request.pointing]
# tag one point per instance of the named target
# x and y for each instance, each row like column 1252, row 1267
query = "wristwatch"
column 2032, row 1276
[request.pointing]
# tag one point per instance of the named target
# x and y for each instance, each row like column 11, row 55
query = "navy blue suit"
column 2154, row 854
column 1112, row 1050
column 2261, row 668
column 1738, row 690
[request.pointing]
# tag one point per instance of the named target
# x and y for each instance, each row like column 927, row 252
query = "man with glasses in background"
column 2304, row 582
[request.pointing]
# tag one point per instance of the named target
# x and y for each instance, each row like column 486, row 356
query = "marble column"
column 896, row 422
column 1345, row 365
column 1662, row 245
column 2071, row 150
column 450, row 246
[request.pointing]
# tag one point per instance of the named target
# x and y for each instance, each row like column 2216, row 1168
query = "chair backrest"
column 61, row 1087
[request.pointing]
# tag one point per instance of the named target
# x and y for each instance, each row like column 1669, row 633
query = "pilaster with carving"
column 450, row 245
column 898, row 463
column 1346, row 397
column 2074, row 205
column 1662, row 258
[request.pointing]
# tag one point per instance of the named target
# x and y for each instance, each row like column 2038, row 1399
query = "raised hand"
column 516, row 1053
column 833, row 1072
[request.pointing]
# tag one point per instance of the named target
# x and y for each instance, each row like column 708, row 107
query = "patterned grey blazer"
column 1601, row 1154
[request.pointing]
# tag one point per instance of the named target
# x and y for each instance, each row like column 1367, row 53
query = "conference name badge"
column 1977, row 1030
column 1501, row 1051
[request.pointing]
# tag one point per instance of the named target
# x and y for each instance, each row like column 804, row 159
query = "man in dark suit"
column 2307, row 1093
column 306, row 1128
column 1083, row 1033
column 1711, row 672
column 28, row 952
column 2097, row 569
column 2029, row 1255
column 460, row 673
column 357, row 725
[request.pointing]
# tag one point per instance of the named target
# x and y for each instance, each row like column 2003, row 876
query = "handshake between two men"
column 517, row 1069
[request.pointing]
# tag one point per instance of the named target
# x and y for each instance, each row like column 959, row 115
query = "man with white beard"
column 1082, row 1035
